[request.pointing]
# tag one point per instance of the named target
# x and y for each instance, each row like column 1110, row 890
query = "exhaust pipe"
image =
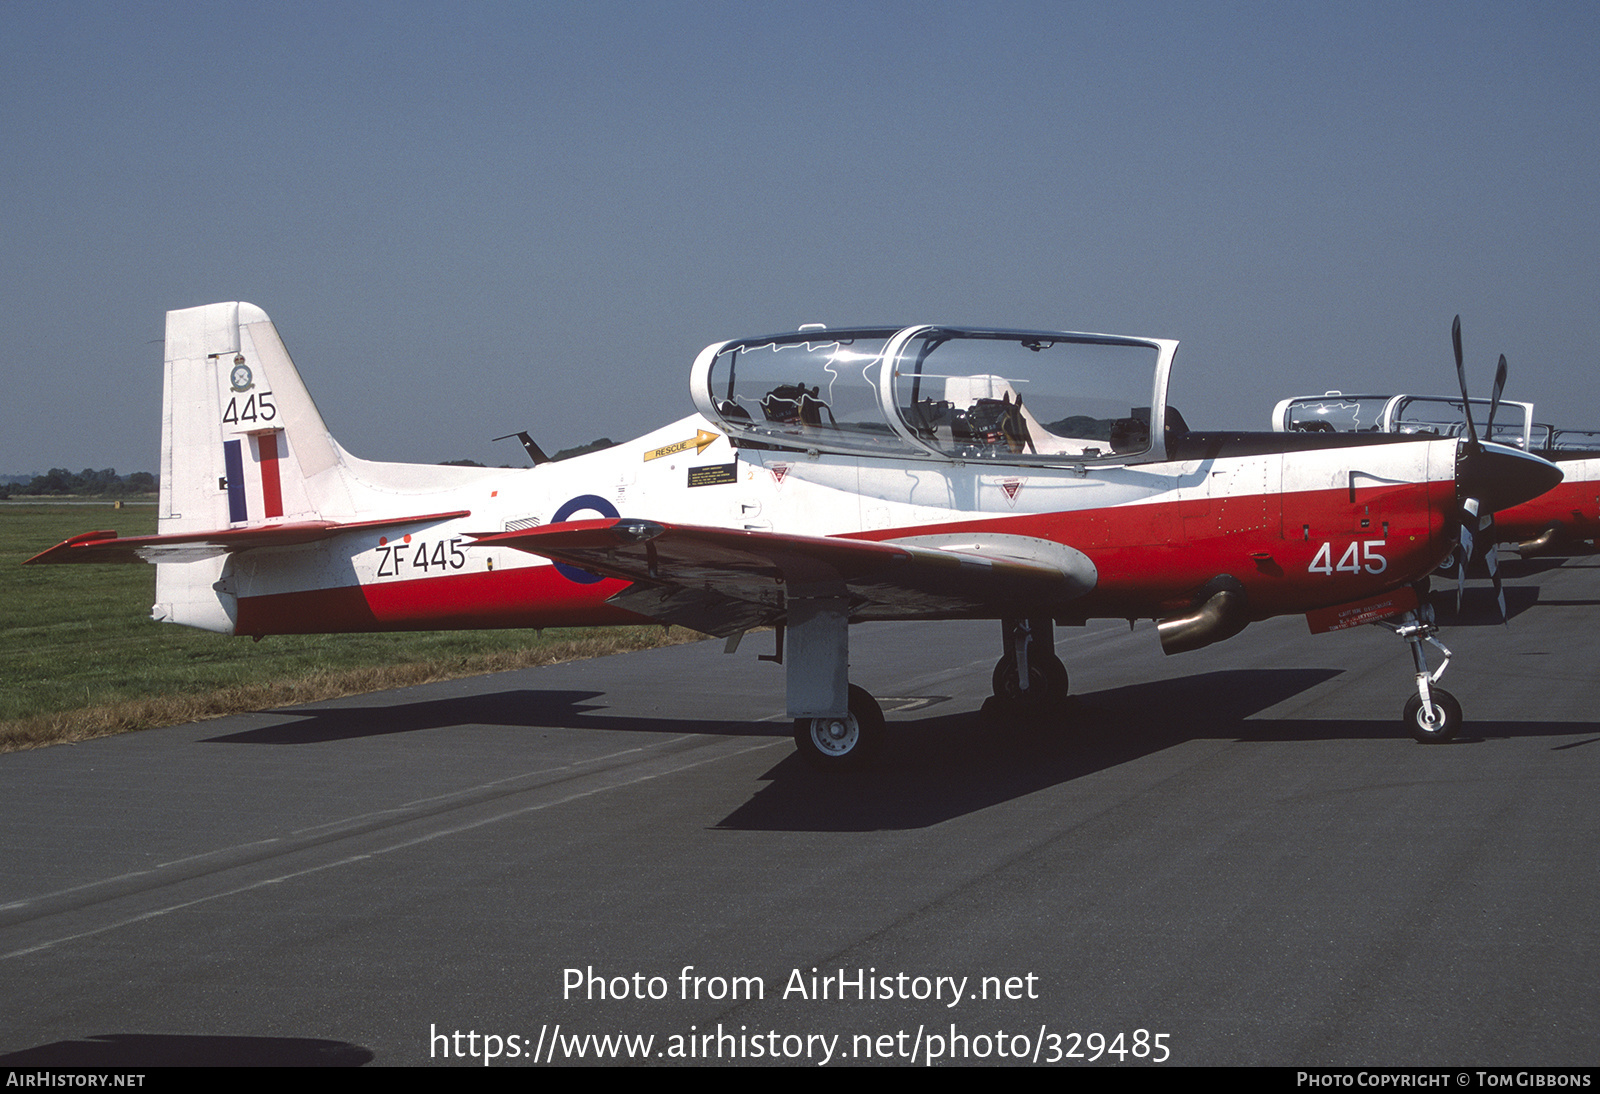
column 1219, row 613
column 1541, row 542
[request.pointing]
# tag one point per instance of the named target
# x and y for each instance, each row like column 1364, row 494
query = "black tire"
column 1447, row 713
column 1048, row 684
column 833, row 744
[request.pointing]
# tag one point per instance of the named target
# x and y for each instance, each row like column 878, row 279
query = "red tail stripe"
column 271, row 491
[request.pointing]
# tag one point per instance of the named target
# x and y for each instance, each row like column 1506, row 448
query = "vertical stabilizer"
column 242, row 445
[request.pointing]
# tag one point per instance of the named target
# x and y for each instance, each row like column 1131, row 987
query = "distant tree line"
column 565, row 453
column 58, row 481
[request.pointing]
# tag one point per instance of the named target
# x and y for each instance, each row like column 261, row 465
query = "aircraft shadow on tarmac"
column 931, row 766
column 1480, row 608
column 1517, row 569
column 936, row 768
column 522, row 708
column 166, row 1050
column 1231, row 696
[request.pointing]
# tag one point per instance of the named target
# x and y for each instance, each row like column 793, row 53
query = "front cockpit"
column 948, row 393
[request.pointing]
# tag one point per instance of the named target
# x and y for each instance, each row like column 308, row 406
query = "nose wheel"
column 1435, row 721
column 1432, row 715
column 837, row 744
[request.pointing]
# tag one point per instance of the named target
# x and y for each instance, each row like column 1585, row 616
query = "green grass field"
column 80, row 656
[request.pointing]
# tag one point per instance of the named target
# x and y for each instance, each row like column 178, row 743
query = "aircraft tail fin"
column 241, row 441
column 246, row 460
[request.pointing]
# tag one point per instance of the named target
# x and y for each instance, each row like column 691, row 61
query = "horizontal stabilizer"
column 192, row 546
column 720, row 580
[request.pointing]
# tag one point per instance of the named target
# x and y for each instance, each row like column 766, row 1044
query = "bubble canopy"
column 947, row 393
column 1427, row 415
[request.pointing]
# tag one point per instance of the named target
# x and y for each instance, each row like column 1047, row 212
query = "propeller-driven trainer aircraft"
column 1567, row 514
column 1037, row 478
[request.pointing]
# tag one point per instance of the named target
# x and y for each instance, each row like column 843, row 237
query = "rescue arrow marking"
column 698, row 442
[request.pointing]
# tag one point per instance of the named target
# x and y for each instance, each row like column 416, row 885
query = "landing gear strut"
column 837, row 725
column 1432, row 715
column 1029, row 679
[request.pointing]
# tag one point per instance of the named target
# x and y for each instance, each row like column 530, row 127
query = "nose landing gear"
column 1432, row 715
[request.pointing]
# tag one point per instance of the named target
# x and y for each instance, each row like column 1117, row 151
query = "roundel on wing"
column 577, row 505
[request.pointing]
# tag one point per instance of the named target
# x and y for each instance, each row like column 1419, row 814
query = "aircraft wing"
column 190, row 546
column 722, row 580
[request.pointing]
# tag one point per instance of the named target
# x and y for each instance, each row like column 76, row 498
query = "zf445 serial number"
column 395, row 558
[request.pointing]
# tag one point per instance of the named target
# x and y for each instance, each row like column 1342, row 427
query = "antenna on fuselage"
column 535, row 453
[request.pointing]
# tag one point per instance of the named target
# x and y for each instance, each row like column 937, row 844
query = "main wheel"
column 835, row 744
column 1048, row 683
column 1438, row 725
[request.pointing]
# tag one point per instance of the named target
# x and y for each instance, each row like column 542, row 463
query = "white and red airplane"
column 1566, row 515
column 830, row 477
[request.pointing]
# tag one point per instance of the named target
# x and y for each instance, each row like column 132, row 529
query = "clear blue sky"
column 470, row 219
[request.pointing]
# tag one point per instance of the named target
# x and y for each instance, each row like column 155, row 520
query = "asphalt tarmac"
column 1231, row 856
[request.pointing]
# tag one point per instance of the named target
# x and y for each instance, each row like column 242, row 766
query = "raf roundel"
column 577, row 505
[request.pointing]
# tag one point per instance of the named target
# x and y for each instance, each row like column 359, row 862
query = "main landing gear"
column 1029, row 679
column 837, row 725
column 842, row 743
column 1432, row 715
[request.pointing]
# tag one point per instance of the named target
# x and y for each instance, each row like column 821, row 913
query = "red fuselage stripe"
column 523, row 596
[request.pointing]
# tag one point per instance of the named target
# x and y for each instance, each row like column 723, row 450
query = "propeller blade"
column 1461, row 378
column 1488, row 480
column 1464, row 542
column 1492, row 558
column 1494, row 398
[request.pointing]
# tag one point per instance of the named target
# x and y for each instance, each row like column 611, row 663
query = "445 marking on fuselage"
column 1352, row 561
column 408, row 555
column 422, row 556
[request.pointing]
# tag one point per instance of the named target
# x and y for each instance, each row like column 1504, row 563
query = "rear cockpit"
column 947, row 393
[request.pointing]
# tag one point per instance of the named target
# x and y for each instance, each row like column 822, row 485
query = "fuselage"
column 1300, row 525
